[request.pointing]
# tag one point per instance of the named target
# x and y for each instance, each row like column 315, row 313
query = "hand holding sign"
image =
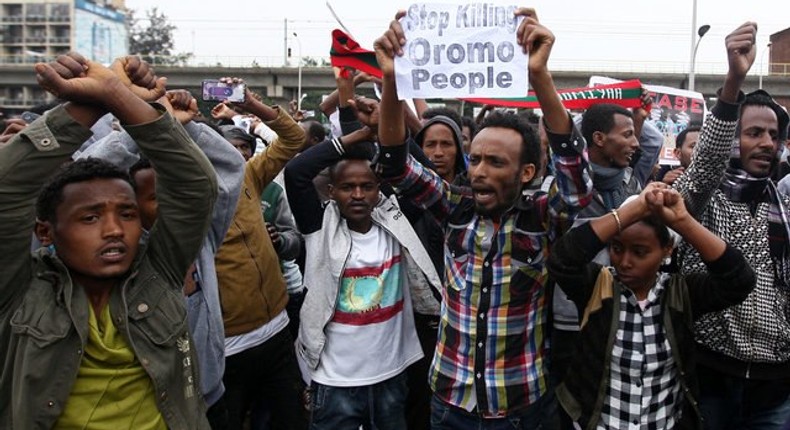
column 538, row 41
column 534, row 39
column 456, row 51
column 390, row 44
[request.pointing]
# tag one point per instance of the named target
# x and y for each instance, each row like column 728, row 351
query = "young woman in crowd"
column 634, row 364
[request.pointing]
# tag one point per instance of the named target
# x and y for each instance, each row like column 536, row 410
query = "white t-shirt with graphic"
column 371, row 336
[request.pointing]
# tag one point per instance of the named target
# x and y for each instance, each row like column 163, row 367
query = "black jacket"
column 583, row 390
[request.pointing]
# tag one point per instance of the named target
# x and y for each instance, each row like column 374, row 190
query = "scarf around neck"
column 740, row 187
column 608, row 181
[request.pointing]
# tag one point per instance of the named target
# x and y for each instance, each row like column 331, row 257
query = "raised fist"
column 139, row 77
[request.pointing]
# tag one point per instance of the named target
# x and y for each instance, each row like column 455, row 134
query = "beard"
column 736, row 163
column 511, row 192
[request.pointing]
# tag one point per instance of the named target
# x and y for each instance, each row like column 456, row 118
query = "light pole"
column 692, row 49
column 299, row 82
column 762, row 57
column 701, row 32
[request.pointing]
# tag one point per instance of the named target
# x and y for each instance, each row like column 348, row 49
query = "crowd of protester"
column 405, row 269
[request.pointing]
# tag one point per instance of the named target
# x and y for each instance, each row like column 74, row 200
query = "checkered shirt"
column 643, row 391
column 491, row 353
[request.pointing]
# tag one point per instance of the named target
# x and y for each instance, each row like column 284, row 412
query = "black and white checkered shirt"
column 644, row 391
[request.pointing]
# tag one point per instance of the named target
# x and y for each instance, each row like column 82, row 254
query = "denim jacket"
column 44, row 315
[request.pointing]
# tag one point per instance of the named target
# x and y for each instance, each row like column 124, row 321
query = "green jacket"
column 44, row 316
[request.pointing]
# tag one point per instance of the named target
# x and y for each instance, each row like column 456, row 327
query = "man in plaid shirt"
column 490, row 362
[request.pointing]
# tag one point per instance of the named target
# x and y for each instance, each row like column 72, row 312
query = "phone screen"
column 214, row 90
column 29, row 117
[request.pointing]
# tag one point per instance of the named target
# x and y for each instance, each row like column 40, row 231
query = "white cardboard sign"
column 461, row 50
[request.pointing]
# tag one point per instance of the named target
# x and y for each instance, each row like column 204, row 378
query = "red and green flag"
column 627, row 94
column 346, row 52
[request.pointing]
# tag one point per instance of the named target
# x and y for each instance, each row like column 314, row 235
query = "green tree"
column 153, row 38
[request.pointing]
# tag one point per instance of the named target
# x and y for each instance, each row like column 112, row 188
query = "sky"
column 607, row 35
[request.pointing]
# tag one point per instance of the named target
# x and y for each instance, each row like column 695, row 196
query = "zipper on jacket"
column 430, row 284
column 752, row 317
column 334, row 307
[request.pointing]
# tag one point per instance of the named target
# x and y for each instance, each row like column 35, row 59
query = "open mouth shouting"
column 484, row 196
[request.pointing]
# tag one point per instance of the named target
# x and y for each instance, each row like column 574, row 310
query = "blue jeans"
column 376, row 407
column 539, row 415
column 730, row 402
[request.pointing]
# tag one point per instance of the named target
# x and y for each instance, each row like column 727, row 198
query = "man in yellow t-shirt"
column 93, row 326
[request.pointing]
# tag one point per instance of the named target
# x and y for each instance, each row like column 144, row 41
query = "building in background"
column 778, row 51
column 39, row 30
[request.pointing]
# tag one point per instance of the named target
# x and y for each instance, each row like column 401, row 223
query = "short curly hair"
column 141, row 164
column 680, row 140
column 51, row 195
column 600, row 117
column 530, row 143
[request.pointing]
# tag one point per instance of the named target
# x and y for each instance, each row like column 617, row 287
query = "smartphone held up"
column 29, row 117
column 214, row 90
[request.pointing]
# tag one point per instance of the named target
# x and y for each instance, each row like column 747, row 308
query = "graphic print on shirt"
column 370, row 295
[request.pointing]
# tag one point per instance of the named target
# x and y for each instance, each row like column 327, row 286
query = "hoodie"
column 460, row 160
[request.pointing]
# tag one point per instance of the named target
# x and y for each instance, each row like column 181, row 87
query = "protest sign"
column 674, row 109
column 346, row 52
column 460, row 50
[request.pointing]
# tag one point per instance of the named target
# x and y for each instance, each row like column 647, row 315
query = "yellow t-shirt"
column 112, row 390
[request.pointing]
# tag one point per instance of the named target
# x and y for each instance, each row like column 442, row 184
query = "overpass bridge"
column 18, row 87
